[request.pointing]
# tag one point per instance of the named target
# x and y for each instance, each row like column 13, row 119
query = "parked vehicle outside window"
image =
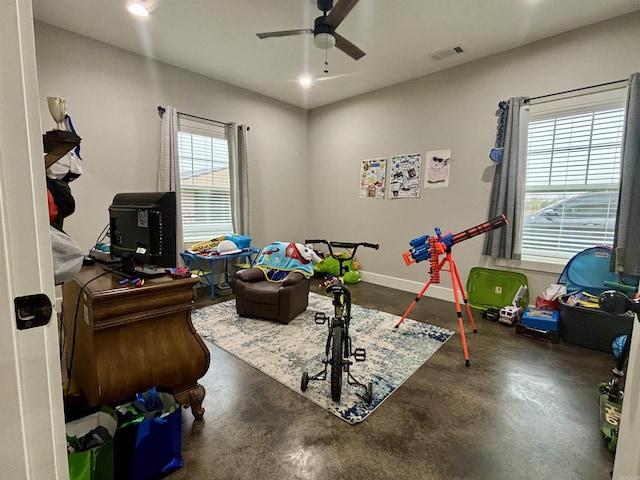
column 570, row 225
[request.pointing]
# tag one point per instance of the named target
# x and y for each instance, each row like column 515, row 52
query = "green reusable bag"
column 94, row 463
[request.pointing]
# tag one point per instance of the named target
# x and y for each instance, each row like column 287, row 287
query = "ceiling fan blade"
column 347, row 47
column 339, row 11
column 284, row 33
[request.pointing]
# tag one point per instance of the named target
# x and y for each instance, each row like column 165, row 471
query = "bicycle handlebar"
column 347, row 245
column 353, row 245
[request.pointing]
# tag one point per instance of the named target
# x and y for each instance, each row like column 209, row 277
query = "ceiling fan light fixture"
column 139, row 9
column 324, row 40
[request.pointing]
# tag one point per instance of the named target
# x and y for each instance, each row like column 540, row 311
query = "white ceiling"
column 217, row 38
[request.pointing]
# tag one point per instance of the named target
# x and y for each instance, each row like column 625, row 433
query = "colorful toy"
column 512, row 314
column 136, row 282
column 179, row 272
column 338, row 347
column 430, row 248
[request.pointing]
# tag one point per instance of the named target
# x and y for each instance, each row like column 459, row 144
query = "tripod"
column 457, row 289
column 430, row 248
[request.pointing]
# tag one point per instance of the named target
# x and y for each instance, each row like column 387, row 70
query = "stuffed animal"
column 305, row 253
column 351, row 277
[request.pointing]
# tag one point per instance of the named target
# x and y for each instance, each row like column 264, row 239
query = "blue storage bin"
column 540, row 319
column 240, row 240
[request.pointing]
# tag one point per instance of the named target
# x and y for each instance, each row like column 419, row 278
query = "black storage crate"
column 591, row 327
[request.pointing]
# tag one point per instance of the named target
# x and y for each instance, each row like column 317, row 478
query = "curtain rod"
column 576, row 90
column 162, row 110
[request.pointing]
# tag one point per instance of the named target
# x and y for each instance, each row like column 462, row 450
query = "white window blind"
column 204, row 180
column 572, row 175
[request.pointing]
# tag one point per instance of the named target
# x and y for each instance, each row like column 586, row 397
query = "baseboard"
column 434, row 291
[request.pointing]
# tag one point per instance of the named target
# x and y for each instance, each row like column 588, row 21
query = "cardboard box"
column 541, row 319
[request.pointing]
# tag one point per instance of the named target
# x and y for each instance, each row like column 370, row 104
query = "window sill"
column 535, row 264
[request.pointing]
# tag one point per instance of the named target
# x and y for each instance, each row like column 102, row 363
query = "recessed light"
column 306, row 81
column 138, row 9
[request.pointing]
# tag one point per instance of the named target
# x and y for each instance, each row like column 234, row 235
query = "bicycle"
column 338, row 348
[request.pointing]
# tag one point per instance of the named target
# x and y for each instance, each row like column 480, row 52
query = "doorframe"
column 627, row 460
column 33, row 444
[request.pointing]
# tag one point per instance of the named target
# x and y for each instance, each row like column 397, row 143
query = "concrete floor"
column 524, row 409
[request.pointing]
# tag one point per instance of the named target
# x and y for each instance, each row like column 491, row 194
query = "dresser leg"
column 196, row 397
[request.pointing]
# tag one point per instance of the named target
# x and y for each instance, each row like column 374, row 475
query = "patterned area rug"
column 285, row 351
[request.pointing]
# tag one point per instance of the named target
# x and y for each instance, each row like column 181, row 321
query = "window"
column 204, row 180
column 572, row 175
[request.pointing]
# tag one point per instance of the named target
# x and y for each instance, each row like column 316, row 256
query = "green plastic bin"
column 490, row 288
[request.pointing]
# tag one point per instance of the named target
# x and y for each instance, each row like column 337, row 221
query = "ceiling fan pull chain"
column 326, row 64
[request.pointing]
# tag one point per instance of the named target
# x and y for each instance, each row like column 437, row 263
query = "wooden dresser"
column 121, row 339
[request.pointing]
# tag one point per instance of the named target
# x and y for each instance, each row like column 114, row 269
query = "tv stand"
column 128, row 339
column 137, row 272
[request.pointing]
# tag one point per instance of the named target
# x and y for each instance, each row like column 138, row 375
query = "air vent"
column 447, row 52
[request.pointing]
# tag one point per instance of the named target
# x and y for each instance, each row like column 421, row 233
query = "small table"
column 193, row 262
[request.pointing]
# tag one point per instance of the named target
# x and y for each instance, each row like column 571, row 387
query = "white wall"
column 453, row 109
column 112, row 96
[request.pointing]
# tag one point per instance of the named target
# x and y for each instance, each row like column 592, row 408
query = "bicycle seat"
column 337, row 288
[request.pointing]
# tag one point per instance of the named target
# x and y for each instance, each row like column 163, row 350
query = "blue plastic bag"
column 149, row 438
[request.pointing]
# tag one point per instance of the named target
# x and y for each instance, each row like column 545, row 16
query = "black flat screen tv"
column 143, row 231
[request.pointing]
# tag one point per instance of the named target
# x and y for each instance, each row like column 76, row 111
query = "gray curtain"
column 627, row 235
column 507, row 193
column 169, row 169
column 239, row 177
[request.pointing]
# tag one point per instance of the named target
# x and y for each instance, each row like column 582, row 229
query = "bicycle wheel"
column 336, row 364
column 369, row 394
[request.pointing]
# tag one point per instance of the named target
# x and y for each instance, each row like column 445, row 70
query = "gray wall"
column 454, row 109
column 305, row 166
column 112, row 96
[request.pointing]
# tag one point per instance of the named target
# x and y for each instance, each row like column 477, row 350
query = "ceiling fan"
column 324, row 30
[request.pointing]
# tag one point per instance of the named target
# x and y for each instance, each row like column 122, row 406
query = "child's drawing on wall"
column 372, row 178
column 438, row 169
column 405, row 176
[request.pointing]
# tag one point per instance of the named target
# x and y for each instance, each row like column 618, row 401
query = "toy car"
column 510, row 315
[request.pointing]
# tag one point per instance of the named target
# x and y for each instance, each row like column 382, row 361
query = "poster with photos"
column 372, row 178
column 404, row 177
column 437, row 163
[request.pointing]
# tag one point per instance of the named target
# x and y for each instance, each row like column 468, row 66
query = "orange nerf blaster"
column 430, row 247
